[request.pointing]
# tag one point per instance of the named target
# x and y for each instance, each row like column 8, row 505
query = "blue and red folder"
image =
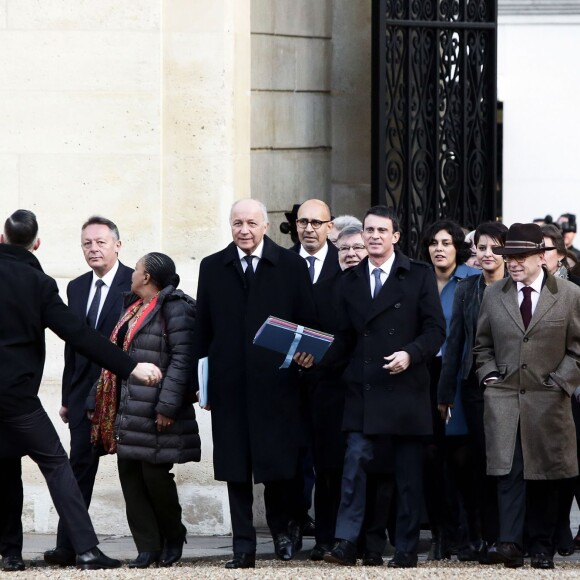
column 289, row 338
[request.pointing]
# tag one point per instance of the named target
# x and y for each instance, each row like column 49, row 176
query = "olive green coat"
column 539, row 369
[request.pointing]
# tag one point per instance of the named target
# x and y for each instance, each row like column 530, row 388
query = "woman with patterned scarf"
column 151, row 427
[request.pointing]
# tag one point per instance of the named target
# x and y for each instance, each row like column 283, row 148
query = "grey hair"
column 345, row 221
column 349, row 231
column 260, row 204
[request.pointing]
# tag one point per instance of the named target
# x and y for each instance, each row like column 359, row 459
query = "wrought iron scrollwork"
column 434, row 111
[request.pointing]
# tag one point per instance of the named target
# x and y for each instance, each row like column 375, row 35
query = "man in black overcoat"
column 29, row 303
column 391, row 325
column 323, row 401
column 255, row 404
column 102, row 290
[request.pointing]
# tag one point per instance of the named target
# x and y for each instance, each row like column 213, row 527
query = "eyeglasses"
column 302, row 223
column 520, row 258
column 355, row 248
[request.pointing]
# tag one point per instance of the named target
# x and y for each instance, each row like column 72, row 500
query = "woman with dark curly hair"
column 444, row 246
column 151, row 427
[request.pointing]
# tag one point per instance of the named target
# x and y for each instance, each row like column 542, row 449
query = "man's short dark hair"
column 462, row 248
column 383, row 211
column 21, row 228
column 569, row 223
column 102, row 221
column 494, row 230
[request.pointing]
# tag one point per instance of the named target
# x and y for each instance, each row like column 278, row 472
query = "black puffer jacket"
column 165, row 339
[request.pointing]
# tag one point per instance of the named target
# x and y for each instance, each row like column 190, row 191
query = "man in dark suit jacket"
column 314, row 223
column 391, row 324
column 29, row 303
column 255, row 404
column 100, row 243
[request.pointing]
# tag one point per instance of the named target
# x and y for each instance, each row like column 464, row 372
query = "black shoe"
column 403, row 560
column 506, row 553
column 439, row 550
column 318, row 552
column 483, row 557
column 470, row 553
column 343, row 553
column 60, row 557
column 577, row 540
column 309, row 527
column 283, row 546
column 95, row 560
column 172, row 551
column 242, row 560
column 372, row 559
column 542, row 562
column 566, row 550
column 144, row 560
column 13, row 563
column 295, row 533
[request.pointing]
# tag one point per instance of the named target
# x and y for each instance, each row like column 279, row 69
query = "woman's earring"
column 560, row 263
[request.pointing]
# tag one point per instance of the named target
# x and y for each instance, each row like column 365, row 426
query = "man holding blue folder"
column 254, row 403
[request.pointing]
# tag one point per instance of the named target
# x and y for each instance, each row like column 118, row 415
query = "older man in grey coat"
column 528, row 357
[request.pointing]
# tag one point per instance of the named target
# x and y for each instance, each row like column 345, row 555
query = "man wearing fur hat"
column 528, row 357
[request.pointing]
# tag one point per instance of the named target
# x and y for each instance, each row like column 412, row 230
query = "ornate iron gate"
column 434, row 112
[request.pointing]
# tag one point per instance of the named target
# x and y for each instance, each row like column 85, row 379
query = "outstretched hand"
column 147, row 373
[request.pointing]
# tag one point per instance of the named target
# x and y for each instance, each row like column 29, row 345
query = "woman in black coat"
column 458, row 369
column 153, row 427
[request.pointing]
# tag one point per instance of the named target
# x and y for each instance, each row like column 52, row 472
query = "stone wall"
column 291, row 105
column 140, row 111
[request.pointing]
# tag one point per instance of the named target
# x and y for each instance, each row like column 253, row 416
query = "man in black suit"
column 29, row 303
column 391, row 325
column 322, row 403
column 255, row 404
column 98, row 297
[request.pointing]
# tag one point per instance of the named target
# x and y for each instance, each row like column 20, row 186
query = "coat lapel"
column 391, row 293
column 509, row 298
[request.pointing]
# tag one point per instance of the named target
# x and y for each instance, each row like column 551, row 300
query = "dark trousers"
column 408, row 462
column 37, row 437
column 485, row 485
column 326, row 502
column 11, row 500
column 84, row 464
column 152, row 504
column 278, row 511
column 379, row 498
column 538, row 498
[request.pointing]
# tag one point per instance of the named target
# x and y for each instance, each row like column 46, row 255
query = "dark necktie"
column 311, row 261
column 378, row 283
column 249, row 270
column 93, row 313
column 526, row 305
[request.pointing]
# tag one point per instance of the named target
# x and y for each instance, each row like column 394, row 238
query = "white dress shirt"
column 256, row 256
column 108, row 280
column 385, row 268
column 318, row 263
column 536, row 286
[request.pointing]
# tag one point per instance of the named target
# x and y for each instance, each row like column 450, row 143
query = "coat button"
column 522, row 391
column 367, row 361
column 366, row 333
column 367, row 387
column 391, row 331
column 524, row 366
column 389, row 388
column 398, row 305
column 526, row 339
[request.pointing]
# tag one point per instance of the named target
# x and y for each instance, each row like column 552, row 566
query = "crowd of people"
column 448, row 397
